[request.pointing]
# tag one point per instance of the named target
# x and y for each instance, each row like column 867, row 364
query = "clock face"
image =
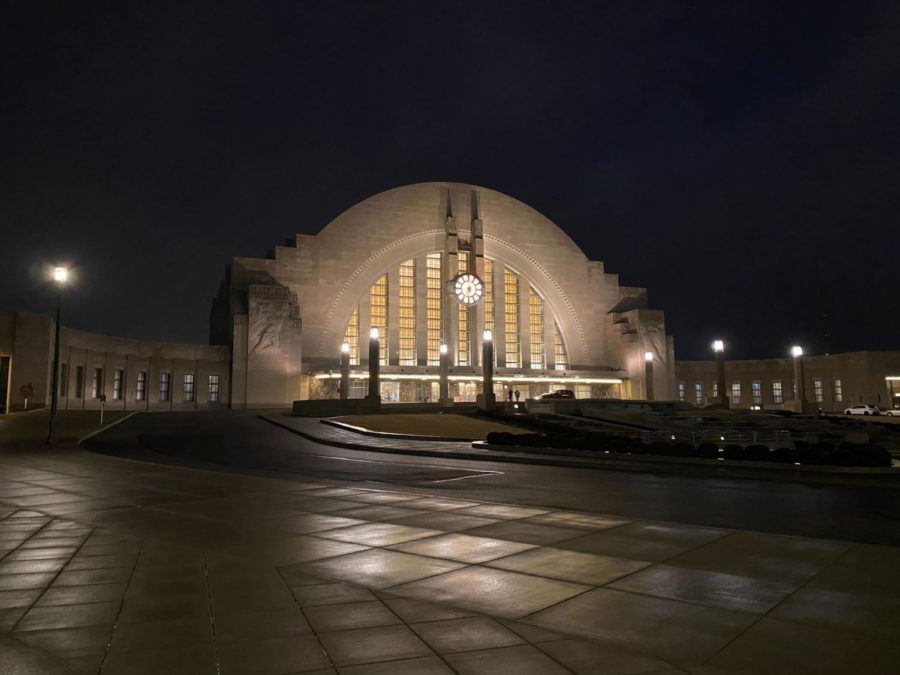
column 468, row 289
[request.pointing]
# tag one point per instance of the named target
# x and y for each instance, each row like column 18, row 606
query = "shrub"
column 639, row 448
column 660, row 448
column 757, row 453
column 872, row 455
column 809, row 456
column 708, row 450
column 785, row 455
column 682, row 449
column 733, row 451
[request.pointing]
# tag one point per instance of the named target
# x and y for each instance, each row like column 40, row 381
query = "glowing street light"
column 796, row 351
column 648, row 357
column 719, row 348
column 373, row 334
column 60, row 276
column 648, row 375
column 799, row 377
column 487, row 369
column 444, row 384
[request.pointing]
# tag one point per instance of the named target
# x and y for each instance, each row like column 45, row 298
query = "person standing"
column 517, row 395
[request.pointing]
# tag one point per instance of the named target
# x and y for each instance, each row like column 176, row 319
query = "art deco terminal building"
column 426, row 265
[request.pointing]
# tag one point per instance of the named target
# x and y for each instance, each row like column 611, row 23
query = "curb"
column 388, row 434
column 106, row 426
column 701, row 471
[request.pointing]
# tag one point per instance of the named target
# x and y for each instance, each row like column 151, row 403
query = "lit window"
column 351, row 336
column 433, row 302
column 698, row 393
column 838, row 391
column 777, row 393
column 819, row 389
column 407, row 307
column 560, row 358
column 213, row 388
column 188, row 387
column 715, row 390
column 463, row 347
column 97, row 383
column 378, row 303
column 756, row 391
column 118, row 376
column 681, row 391
column 536, row 328
column 736, row 392
column 511, row 319
column 140, row 386
column 165, row 380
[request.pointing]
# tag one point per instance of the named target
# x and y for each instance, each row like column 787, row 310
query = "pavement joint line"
column 309, row 623
column 781, row 602
column 107, row 426
column 112, row 632
column 212, row 616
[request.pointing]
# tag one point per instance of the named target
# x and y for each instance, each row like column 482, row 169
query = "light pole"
column 719, row 348
column 374, row 355
column 345, row 370
column 60, row 276
column 444, row 386
column 800, row 384
column 487, row 369
column 648, row 375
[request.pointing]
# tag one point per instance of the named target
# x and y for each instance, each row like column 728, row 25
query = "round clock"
column 468, row 289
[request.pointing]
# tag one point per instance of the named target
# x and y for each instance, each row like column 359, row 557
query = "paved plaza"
column 115, row 566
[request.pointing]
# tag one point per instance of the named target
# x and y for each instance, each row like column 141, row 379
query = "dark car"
column 559, row 393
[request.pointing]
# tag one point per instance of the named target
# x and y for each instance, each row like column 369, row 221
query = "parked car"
column 559, row 393
column 893, row 413
column 862, row 409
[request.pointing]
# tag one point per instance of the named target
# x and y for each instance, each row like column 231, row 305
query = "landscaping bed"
column 799, row 452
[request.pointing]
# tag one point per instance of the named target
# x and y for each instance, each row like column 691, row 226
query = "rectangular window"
column 118, row 376
column 698, row 393
column 433, row 300
column 378, row 304
column 407, row 290
column 511, row 319
column 681, row 394
column 489, row 295
column 464, row 342
column 79, row 381
column 838, row 391
column 715, row 390
column 756, row 392
column 97, row 383
column 819, row 389
column 536, row 329
column 140, row 386
column 165, row 380
column 794, row 390
column 213, row 388
column 64, row 379
column 188, row 387
column 560, row 358
column 351, row 336
column 777, row 393
column 736, row 392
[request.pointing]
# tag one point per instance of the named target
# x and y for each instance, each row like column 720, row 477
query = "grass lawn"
column 30, row 428
column 437, row 424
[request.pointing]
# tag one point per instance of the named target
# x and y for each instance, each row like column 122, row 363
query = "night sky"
column 741, row 160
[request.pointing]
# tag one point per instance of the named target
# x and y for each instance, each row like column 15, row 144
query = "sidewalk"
column 114, row 566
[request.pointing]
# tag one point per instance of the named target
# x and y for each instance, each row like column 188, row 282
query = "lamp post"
column 374, row 355
column 648, row 375
column 60, row 277
column 345, row 371
column 487, row 368
column 719, row 348
column 444, row 386
column 799, row 381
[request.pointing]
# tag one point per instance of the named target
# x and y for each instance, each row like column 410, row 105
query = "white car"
column 862, row 409
column 893, row 413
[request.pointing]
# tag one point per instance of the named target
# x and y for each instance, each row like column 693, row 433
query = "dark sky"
column 741, row 160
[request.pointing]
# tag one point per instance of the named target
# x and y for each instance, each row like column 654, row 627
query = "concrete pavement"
column 114, row 566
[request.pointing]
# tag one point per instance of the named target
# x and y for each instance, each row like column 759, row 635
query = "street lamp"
column 797, row 353
column 374, row 355
column 345, row 370
column 648, row 375
column 487, row 369
column 719, row 348
column 59, row 275
column 444, row 386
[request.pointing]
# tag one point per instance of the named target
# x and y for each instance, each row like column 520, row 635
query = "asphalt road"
column 235, row 441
